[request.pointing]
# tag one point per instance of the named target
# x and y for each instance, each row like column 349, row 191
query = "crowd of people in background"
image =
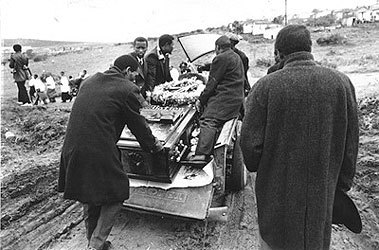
column 42, row 88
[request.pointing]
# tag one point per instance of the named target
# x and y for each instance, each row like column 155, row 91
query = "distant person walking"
column 19, row 63
column 300, row 134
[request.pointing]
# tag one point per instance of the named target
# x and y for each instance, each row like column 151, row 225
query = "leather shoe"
column 197, row 161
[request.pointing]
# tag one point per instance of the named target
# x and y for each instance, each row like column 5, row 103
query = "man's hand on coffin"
column 199, row 107
column 158, row 147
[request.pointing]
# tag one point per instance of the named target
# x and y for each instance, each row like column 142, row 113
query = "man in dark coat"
column 90, row 169
column 19, row 64
column 235, row 39
column 221, row 99
column 158, row 63
column 300, row 134
column 278, row 63
column 140, row 45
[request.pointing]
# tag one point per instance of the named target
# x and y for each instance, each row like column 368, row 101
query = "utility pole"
column 285, row 14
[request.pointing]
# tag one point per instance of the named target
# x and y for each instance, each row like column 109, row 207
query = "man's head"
column 222, row 43
column 128, row 65
column 62, row 73
column 293, row 38
column 140, row 46
column 166, row 43
column 234, row 38
column 17, row 48
column 35, row 76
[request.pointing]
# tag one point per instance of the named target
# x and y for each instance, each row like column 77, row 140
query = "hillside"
column 39, row 43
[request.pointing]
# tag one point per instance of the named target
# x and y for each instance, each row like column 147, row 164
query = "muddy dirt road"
column 34, row 216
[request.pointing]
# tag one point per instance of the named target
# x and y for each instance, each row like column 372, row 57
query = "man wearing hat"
column 90, row 168
column 300, row 134
column 221, row 99
column 235, row 39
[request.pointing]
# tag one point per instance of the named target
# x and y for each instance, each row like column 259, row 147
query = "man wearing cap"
column 158, row 63
column 235, row 39
column 221, row 99
column 90, row 168
column 300, row 134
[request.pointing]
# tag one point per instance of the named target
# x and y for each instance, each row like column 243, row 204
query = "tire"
column 237, row 178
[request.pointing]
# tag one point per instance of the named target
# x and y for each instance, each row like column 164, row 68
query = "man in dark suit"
column 221, row 99
column 235, row 39
column 300, row 134
column 90, row 168
column 158, row 63
column 140, row 46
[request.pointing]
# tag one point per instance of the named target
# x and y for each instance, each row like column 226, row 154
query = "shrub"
column 333, row 39
column 39, row 58
column 326, row 63
column 264, row 62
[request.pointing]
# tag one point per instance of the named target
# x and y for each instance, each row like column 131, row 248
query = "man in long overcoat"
column 19, row 63
column 90, row 169
column 300, row 134
column 221, row 99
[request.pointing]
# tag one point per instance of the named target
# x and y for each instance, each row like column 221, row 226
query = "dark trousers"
column 99, row 220
column 32, row 93
column 66, row 96
column 22, row 93
column 210, row 129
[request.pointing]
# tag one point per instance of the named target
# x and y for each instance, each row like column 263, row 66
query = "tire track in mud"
column 241, row 229
column 33, row 213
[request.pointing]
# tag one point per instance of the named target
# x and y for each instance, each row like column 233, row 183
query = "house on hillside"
column 272, row 31
column 375, row 15
column 338, row 14
column 363, row 14
column 247, row 27
column 321, row 13
column 348, row 21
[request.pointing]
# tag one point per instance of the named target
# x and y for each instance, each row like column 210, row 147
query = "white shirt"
column 50, row 83
column 32, row 82
column 65, row 84
column 38, row 84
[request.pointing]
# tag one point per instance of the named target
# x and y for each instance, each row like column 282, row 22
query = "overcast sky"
column 123, row 20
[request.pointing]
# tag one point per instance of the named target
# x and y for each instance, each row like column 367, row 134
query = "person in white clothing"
column 50, row 84
column 32, row 90
column 40, row 89
column 65, row 88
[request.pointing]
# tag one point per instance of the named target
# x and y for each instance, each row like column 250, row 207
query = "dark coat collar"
column 114, row 70
column 295, row 58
